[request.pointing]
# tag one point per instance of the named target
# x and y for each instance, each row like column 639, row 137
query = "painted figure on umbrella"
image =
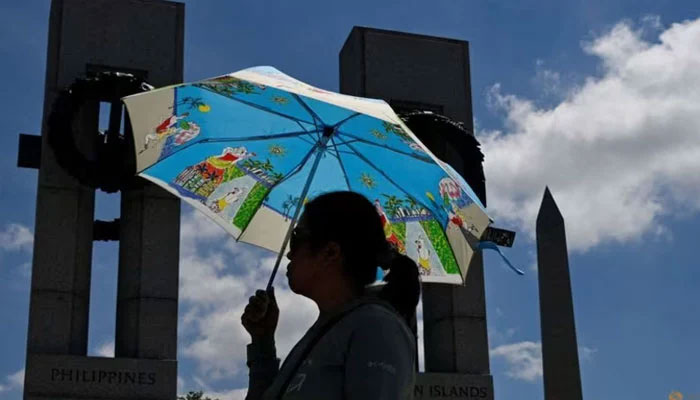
column 220, row 204
column 423, row 256
column 175, row 131
column 232, row 155
column 454, row 199
column 388, row 231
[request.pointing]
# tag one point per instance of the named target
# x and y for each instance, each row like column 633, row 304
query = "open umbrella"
column 249, row 149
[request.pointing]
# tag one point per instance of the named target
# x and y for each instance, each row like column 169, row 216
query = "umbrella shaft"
column 320, row 148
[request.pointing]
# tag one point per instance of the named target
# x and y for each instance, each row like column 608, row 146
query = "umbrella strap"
column 488, row 245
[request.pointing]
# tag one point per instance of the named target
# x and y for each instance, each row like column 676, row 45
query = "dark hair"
column 352, row 221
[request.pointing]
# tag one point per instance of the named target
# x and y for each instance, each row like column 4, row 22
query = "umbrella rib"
column 306, row 140
column 417, row 157
column 258, row 106
column 315, row 130
column 308, row 109
column 346, row 120
column 342, row 166
column 300, row 125
column 253, row 138
column 347, row 141
column 294, row 170
column 368, row 162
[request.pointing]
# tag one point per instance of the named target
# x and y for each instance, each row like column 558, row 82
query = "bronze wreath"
column 114, row 163
column 455, row 133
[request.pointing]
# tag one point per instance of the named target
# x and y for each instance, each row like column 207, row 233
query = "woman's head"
column 343, row 230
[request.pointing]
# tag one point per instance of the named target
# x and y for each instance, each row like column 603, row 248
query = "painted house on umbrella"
column 201, row 180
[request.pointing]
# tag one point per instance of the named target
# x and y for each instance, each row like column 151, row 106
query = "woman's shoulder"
column 376, row 309
column 377, row 316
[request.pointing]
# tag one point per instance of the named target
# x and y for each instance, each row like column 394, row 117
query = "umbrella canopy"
column 249, row 149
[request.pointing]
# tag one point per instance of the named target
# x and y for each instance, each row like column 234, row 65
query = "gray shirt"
column 368, row 354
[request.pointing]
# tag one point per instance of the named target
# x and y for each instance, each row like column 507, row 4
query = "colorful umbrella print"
column 249, row 149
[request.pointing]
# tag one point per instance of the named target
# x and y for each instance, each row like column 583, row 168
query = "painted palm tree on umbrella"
column 393, row 204
column 288, row 204
column 313, row 142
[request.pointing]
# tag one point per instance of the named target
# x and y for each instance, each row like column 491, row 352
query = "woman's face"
column 305, row 265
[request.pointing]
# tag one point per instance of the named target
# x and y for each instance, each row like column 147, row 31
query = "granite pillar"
column 133, row 35
column 429, row 73
column 147, row 290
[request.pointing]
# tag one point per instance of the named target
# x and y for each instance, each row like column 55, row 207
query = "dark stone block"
column 29, row 154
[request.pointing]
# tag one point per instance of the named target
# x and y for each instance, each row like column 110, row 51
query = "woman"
column 361, row 346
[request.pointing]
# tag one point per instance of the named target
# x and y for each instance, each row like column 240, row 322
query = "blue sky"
column 594, row 99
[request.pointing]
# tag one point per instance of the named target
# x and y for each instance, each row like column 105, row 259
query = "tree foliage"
column 195, row 396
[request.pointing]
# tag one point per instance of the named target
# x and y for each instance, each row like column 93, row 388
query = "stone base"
column 69, row 377
column 453, row 386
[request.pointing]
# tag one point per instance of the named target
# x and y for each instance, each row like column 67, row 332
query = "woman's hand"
column 261, row 315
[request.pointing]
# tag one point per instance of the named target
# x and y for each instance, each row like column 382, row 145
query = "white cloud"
column 16, row 380
column 546, row 80
column 651, row 22
column 106, row 349
column 217, row 276
column 524, row 359
column 13, row 382
column 233, row 394
column 497, row 336
column 180, row 384
column 620, row 153
column 16, row 237
column 587, row 353
column 26, row 269
column 230, row 394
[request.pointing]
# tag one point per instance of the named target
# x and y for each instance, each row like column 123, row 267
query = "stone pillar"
column 148, row 274
column 562, row 377
column 135, row 35
column 430, row 73
column 454, row 325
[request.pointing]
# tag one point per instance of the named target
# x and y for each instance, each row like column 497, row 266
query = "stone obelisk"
column 562, row 377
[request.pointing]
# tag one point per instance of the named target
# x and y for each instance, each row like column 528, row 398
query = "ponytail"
column 402, row 289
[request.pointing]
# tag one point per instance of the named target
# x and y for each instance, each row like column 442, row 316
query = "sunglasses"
column 298, row 237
